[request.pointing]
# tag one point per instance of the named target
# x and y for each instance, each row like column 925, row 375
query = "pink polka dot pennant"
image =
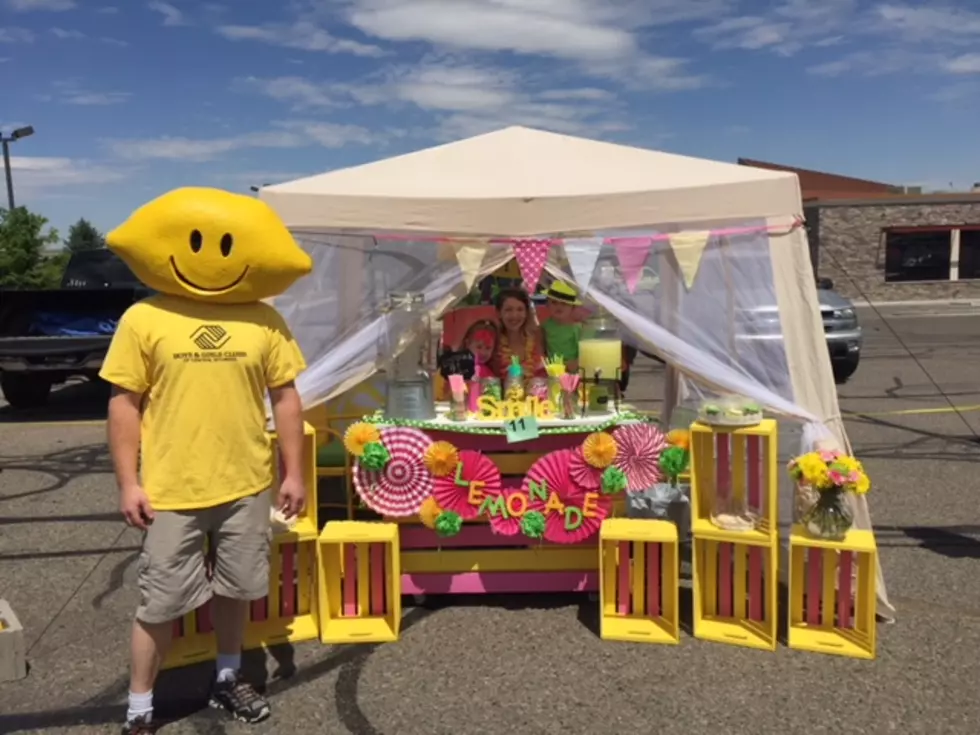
column 531, row 256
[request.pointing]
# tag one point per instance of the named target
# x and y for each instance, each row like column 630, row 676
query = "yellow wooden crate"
column 735, row 592
column 288, row 615
column 306, row 528
column 832, row 594
column 359, row 574
column 639, row 581
column 735, row 463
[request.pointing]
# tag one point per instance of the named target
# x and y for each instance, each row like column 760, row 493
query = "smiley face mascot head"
column 210, row 245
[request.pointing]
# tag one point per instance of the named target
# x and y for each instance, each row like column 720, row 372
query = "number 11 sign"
column 523, row 429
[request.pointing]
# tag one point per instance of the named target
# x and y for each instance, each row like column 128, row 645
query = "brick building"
column 890, row 243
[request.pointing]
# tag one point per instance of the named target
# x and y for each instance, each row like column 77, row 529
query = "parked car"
column 840, row 325
column 48, row 336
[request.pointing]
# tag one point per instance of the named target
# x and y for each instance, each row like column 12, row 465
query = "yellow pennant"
column 469, row 255
column 688, row 248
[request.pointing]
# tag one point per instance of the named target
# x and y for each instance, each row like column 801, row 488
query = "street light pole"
column 5, row 141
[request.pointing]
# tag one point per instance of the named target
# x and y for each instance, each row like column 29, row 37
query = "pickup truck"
column 49, row 336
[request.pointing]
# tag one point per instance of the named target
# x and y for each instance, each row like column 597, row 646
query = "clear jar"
column 405, row 353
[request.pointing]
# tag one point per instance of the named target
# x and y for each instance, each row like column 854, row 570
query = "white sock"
column 228, row 666
column 140, row 705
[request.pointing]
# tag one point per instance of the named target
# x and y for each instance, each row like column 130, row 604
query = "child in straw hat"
column 562, row 330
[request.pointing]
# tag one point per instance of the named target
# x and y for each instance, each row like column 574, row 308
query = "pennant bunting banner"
column 688, row 248
column 582, row 254
column 531, row 256
column 445, row 251
column 632, row 253
column 469, row 255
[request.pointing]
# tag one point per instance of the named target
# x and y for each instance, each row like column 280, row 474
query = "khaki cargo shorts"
column 173, row 574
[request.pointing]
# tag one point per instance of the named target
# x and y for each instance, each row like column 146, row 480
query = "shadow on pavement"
column 183, row 692
column 81, row 401
column 60, row 467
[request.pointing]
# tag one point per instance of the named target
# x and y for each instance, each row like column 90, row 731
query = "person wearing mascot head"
column 190, row 368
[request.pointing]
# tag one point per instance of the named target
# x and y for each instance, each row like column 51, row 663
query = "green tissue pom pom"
column 375, row 456
column 613, row 480
column 533, row 524
column 449, row 523
column 673, row 461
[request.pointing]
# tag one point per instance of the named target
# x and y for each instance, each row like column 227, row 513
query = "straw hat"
column 561, row 291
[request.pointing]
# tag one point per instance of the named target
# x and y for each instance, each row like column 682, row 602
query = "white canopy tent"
column 686, row 253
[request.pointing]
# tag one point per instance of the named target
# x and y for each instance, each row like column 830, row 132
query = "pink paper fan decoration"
column 582, row 473
column 476, row 467
column 403, row 485
column 501, row 525
column 552, row 470
column 640, row 446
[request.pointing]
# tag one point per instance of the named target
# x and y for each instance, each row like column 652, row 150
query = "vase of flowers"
column 832, row 475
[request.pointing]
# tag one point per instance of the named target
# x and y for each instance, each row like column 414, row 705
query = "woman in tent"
column 519, row 334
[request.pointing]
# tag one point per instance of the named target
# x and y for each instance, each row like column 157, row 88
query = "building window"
column 917, row 255
column 969, row 253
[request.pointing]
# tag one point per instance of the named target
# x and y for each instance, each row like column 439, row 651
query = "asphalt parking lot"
column 530, row 666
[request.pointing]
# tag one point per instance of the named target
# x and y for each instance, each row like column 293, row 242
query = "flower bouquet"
column 831, row 475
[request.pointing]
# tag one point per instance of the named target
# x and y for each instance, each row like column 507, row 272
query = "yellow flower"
column 599, row 449
column 429, row 511
column 679, row 438
column 441, row 459
column 814, row 470
column 358, row 436
column 863, row 484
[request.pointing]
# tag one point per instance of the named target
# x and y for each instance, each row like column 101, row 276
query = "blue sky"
column 130, row 99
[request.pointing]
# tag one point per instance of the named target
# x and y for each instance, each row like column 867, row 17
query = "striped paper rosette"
column 639, row 446
column 398, row 490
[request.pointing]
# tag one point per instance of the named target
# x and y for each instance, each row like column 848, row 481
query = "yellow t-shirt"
column 204, row 370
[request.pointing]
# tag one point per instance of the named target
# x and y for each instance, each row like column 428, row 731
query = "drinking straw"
column 568, row 382
column 458, row 386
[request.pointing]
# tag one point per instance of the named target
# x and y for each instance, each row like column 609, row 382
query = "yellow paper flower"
column 360, row 435
column 441, row 459
column 429, row 511
column 599, row 449
column 863, row 484
column 679, row 438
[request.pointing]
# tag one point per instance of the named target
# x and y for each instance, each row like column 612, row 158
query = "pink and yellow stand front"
column 480, row 561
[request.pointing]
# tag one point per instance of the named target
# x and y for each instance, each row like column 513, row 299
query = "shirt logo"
column 210, row 337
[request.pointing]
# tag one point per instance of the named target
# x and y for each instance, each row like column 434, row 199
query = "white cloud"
column 788, row 28
column 114, row 41
column 172, row 16
column 465, row 99
column 16, row 35
column 288, row 134
column 52, row 6
column 300, row 35
column 295, row 90
column 38, row 174
column 937, row 24
column 66, row 34
column 965, row 64
column 603, row 37
column 70, row 92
